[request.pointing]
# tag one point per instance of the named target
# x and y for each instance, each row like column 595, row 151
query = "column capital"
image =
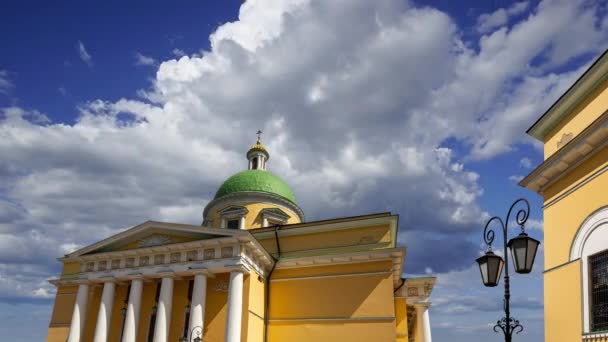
column 166, row 274
column 132, row 277
column 422, row 305
column 103, row 280
column 238, row 268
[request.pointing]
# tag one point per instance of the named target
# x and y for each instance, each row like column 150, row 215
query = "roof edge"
column 595, row 74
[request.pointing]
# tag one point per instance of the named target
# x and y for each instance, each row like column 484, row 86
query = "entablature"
column 396, row 255
column 589, row 142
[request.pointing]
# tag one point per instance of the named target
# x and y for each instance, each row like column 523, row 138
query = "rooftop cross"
column 259, row 132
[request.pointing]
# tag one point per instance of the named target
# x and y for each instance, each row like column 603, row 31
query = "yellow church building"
column 573, row 181
column 254, row 271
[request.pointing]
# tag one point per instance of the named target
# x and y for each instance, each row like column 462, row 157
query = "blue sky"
column 114, row 113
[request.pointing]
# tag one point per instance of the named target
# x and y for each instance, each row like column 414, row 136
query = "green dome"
column 256, row 180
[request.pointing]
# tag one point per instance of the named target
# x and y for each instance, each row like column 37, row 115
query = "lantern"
column 490, row 266
column 523, row 249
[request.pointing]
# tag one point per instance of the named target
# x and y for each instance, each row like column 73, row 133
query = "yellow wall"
column 563, row 303
column 178, row 308
column 253, row 218
column 401, row 319
column 120, row 297
column 215, row 309
column 62, row 313
column 354, row 331
column 147, row 303
column 563, row 219
column 580, row 117
column 70, row 269
column 317, row 243
column 319, row 308
column 253, row 309
column 92, row 311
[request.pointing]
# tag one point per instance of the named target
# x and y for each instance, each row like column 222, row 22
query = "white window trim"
column 231, row 213
column 591, row 238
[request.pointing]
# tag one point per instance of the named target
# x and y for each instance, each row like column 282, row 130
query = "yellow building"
column 255, row 270
column 574, row 184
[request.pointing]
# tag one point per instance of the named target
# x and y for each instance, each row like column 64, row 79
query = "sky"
column 114, row 113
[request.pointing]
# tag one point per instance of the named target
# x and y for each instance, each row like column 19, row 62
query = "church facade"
column 574, row 185
column 255, row 270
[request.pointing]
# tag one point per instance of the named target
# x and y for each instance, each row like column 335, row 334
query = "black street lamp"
column 523, row 250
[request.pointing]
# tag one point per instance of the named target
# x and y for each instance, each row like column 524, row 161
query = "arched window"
column 591, row 247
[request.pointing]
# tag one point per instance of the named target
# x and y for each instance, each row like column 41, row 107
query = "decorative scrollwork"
column 488, row 235
column 522, row 214
column 513, row 326
column 520, row 218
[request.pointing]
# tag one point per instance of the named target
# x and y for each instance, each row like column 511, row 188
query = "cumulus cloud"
column 525, row 163
column 178, row 52
column 144, row 60
column 356, row 124
column 516, row 178
column 84, row 54
column 489, row 21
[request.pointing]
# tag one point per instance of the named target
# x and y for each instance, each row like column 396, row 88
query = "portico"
column 235, row 255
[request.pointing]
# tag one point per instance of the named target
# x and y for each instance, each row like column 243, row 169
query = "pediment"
column 153, row 234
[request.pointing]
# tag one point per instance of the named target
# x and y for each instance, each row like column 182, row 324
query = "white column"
column 423, row 324
column 197, row 306
column 235, row 307
column 104, row 317
column 132, row 320
column 163, row 313
column 78, row 315
column 242, row 222
column 265, row 222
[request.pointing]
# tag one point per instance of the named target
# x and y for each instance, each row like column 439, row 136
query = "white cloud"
column 84, row 54
column 489, row 21
column 144, row 60
column 525, row 163
column 516, row 178
column 5, row 83
column 535, row 224
column 178, row 52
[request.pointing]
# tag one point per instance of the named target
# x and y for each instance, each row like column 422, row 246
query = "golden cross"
column 259, row 132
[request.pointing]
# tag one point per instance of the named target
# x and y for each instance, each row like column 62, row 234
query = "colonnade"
column 163, row 313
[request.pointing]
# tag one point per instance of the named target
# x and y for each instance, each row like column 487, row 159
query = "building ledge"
column 591, row 336
column 590, row 141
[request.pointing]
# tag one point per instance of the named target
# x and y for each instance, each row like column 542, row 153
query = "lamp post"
column 523, row 250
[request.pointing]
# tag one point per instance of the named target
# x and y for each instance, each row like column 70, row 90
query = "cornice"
column 331, row 226
column 155, row 224
column 396, row 255
column 254, row 197
column 590, row 141
column 591, row 78
column 417, row 290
